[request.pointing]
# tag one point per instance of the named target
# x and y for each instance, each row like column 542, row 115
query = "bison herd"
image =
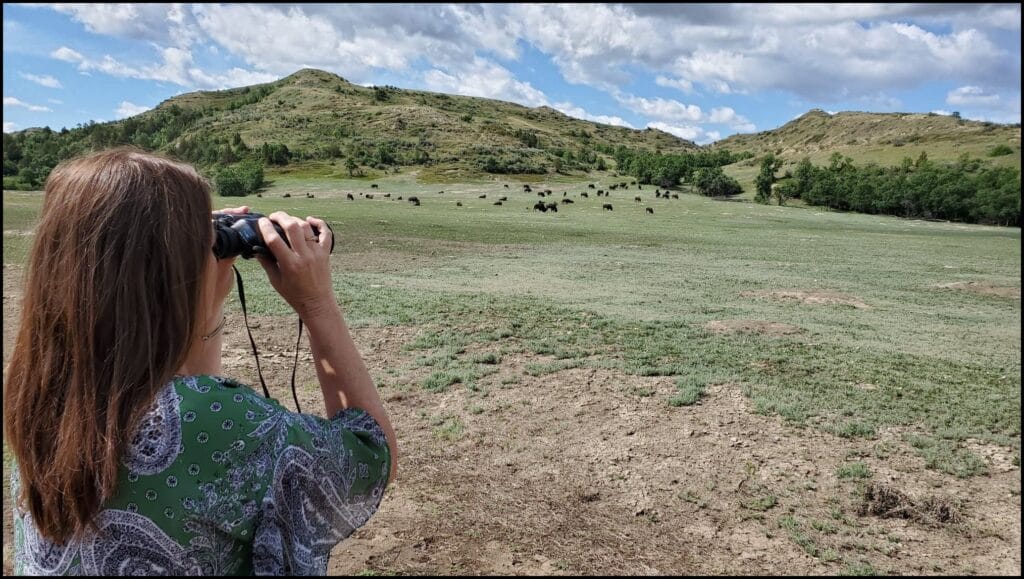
column 542, row 206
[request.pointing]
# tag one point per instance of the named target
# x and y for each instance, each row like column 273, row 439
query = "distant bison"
column 657, row 194
column 540, row 193
column 484, row 196
column 506, row 185
column 368, row 196
column 503, row 199
column 286, row 195
column 497, row 202
column 585, row 195
column 309, row 195
column 458, row 204
column 373, row 186
column 440, row 192
column 399, row 198
column 651, row 211
column 387, row 194
column 600, row 193
column 566, row 201
column 613, row 187
column 637, row 199
column 547, row 191
column 259, row 194
column 607, row 207
column 675, row 195
column 539, row 206
column 350, row 197
column 527, row 189
column 553, row 207
column 590, row 186
column 414, row 200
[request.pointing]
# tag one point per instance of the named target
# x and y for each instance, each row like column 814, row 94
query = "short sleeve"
column 327, row 480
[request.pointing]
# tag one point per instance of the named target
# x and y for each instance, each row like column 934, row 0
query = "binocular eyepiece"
column 240, row 235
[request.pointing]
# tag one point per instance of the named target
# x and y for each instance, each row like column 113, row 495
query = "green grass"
column 854, row 470
column 632, row 292
column 948, row 457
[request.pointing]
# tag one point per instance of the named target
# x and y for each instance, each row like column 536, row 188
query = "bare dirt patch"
column 983, row 288
column 809, row 297
column 589, row 471
column 774, row 329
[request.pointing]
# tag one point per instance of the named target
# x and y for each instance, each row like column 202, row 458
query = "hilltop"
column 883, row 138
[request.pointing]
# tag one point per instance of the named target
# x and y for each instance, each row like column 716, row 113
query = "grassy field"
column 871, row 343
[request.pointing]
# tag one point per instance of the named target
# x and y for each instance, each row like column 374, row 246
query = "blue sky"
column 700, row 71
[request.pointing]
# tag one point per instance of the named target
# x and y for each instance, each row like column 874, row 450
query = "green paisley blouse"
column 219, row 480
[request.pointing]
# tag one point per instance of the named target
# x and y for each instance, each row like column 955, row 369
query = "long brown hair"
column 112, row 298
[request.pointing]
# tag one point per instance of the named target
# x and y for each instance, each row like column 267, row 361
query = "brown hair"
column 112, row 298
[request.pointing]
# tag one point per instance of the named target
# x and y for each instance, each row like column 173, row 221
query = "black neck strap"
column 245, row 315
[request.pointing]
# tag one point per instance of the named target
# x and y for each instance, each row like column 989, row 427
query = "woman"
column 134, row 456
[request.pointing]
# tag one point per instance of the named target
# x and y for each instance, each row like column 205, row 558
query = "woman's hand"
column 223, row 275
column 302, row 272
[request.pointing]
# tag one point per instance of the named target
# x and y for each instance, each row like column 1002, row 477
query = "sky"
column 699, row 71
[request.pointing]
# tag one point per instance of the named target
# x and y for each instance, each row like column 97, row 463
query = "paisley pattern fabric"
column 221, row 481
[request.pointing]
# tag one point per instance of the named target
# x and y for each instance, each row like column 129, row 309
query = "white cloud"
column 726, row 115
column 971, row 96
column 47, row 81
column 942, row 112
column 162, row 23
column 688, row 132
column 578, row 112
column 128, row 109
column 483, row 78
column 67, row 55
column 677, row 83
column 659, row 108
column 176, row 67
column 14, row 102
column 55, row 101
column 10, row 127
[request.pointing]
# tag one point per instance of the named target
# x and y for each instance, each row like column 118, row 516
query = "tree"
column 351, row 165
column 769, row 165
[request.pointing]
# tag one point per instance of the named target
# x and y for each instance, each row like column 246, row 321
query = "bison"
column 539, row 206
column 553, row 207
column 503, row 198
column 286, row 195
column 637, row 199
column 387, row 194
column 590, row 186
column 414, row 200
column 607, row 207
column 309, row 195
column 373, row 186
column 651, row 211
column 566, row 201
column 484, row 196
column 675, row 195
column 584, row 195
column 350, row 197
column 458, row 204
column 497, row 202
column 368, row 196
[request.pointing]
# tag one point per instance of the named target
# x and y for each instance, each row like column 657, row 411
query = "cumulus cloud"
column 55, row 101
column 971, row 96
column 162, row 23
column 677, row 83
column 659, row 108
column 128, row 109
column 46, row 80
column 483, row 78
column 693, row 133
column 10, row 127
column 176, row 67
column 579, row 113
column 14, row 102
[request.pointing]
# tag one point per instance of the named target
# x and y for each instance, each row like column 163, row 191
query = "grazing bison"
column 497, row 202
column 547, row 191
column 639, row 186
column 657, row 194
column 399, row 198
column 286, row 195
column 309, row 195
column 675, row 195
column 566, row 201
column 368, row 196
column 651, row 211
column 440, row 192
column 414, row 200
column 632, row 183
column 526, row 188
column 585, row 195
column 552, row 207
column 613, row 186
column 387, row 194
column 484, row 196
column 540, row 193
column 600, row 193
column 503, row 198
column 637, row 199
column 506, row 185
column 590, row 186
column 350, row 197
column 373, row 186
column 259, row 194
column 563, row 193
column 607, row 207
column 539, row 206
column 458, row 204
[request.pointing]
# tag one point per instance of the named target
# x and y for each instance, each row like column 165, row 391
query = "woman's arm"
column 302, row 275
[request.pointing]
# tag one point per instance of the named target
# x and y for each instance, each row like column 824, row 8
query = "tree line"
column 969, row 190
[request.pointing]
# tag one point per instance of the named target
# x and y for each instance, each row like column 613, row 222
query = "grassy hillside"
column 883, row 138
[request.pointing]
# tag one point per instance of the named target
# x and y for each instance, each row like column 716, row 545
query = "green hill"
column 883, row 138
